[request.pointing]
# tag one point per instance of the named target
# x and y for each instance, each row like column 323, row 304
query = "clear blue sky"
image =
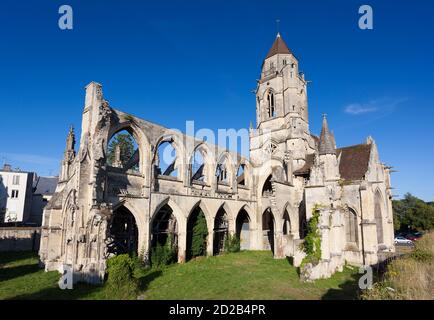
column 198, row 60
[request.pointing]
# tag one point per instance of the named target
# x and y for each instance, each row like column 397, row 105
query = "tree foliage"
column 199, row 236
column 232, row 243
column 163, row 255
column 121, row 279
column 412, row 213
column 312, row 241
column 126, row 143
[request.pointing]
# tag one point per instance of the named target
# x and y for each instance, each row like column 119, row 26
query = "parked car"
column 402, row 240
column 414, row 236
column 411, row 237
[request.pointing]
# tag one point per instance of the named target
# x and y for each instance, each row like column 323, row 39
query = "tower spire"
column 70, row 140
column 326, row 140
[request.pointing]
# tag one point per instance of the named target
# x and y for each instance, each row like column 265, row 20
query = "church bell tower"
column 281, row 104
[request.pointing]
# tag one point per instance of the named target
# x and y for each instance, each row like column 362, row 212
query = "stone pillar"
column 325, row 235
column 279, row 250
column 182, row 246
column 210, row 241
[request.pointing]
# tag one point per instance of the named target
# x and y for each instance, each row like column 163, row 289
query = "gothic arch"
column 165, row 229
column 293, row 217
column 201, row 204
column 208, row 162
column 246, row 171
column 123, row 232
column 378, row 214
column 225, row 159
column 268, row 230
column 141, row 139
column 220, row 230
column 351, row 226
column 69, row 216
column 193, row 217
column 243, row 228
column 265, row 171
column 176, row 142
column 177, row 212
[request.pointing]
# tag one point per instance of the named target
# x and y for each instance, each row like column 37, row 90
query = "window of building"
column 14, row 194
column 271, row 105
column 351, row 226
column 222, row 173
column 16, row 180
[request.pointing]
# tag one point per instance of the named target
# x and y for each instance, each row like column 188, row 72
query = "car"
column 402, row 240
column 411, row 237
column 414, row 236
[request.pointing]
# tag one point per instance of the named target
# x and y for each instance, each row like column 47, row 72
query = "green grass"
column 243, row 276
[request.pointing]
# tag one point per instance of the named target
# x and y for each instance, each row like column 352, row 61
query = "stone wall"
column 19, row 239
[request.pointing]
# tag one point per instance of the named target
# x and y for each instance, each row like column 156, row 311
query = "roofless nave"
column 104, row 207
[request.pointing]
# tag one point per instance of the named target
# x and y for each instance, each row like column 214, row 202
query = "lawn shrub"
column 163, row 255
column 410, row 277
column 121, row 280
column 232, row 243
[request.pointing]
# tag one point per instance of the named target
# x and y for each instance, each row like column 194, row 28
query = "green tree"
column 312, row 241
column 412, row 213
column 200, row 234
column 126, row 143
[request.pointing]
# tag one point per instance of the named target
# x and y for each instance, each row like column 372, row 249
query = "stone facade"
column 290, row 173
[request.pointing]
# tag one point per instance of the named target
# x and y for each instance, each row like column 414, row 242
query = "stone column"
column 210, row 241
column 182, row 246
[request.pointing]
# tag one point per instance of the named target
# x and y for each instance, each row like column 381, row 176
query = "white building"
column 15, row 195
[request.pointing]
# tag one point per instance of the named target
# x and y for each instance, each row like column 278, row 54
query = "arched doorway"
column 165, row 230
column 378, row 218
column 268, row 230
column 123, row 233
column 243, row 229
column 197, row 234
column 221, row 228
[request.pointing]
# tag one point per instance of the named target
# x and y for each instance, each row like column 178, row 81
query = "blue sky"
column 198, row 60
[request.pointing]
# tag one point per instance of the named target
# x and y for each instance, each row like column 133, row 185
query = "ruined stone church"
column 106, row 205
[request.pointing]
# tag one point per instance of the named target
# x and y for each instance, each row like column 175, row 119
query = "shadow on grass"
column 349, row 290
column 86, row 291
column 19, row 271
column 8, row 257
column 146, row 280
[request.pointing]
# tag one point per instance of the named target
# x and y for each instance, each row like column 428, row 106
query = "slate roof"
column 354, row 161
column 279, row 47
column 46, row 185
column 353, row 165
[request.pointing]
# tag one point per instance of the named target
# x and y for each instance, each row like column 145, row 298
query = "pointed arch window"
column 222, row 173
column 271, row 108
column 351, row 226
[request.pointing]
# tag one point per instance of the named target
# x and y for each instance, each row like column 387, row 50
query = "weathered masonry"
column 108, row 205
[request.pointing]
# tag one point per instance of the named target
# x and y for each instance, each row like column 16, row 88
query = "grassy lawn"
column 243, row 276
